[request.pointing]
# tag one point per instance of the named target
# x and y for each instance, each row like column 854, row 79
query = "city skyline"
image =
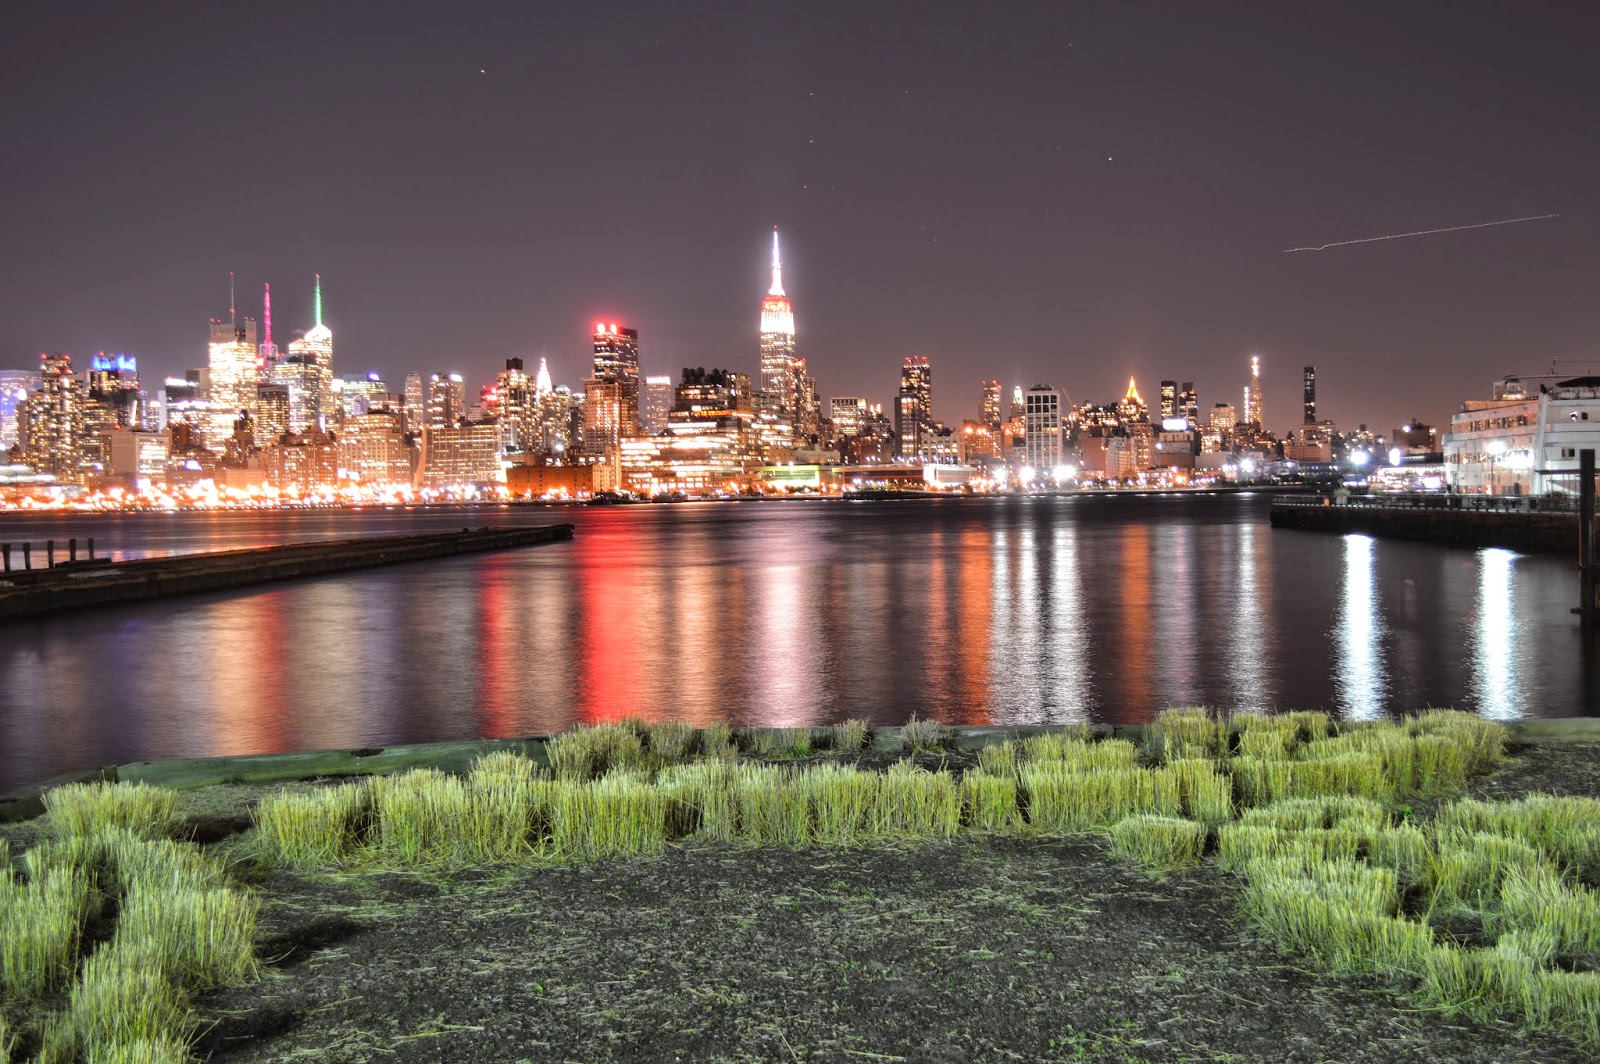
column 1070, row 196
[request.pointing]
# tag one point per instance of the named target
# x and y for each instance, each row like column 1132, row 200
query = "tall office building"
column 114, row 381
column 989, row 405
column 416, row 403
column 1042, row 438
column 519, row 407
column 231, row 360
column 447, row 400
column 1169, row 399
column 15, row 387
column 302, row 378
column 848, row 414
column 1252, row 395
column 616, row 361
column 655, row 404
column 315, row 350
column 1189, row 405
column 54, row 417
column 913, row 406
column 777, row 340
column 1309, row 397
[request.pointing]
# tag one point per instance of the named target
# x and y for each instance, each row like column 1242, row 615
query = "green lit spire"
column 316, row 301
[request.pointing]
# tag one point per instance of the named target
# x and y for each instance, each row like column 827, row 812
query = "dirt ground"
column 979, row 950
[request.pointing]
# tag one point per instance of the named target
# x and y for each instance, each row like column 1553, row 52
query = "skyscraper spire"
column 266, row 314
column 777, row 267
column 233, row 313
column 316, row 303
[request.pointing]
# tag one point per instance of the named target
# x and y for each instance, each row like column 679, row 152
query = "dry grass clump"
column 1260, row 780
column 672, row 742
column 504, row 766
column 589, row 752
column 1567, row 828
column 199, row 938
column 773, row 811
column 703, row 799
column 617, row 816
column 913, row 803
column 849, row 736
column 923, row 736
column 716, row 742
column 1000, row 759
column 1159, row 841
column 312, row 828
column 1466, row 869
column 1070, row 750
column 778, row 742
column 1538, row 901
column 989, row 803
column 1186, row 733
column 84, row 808
column 122, row 1000
column 1063, row 800
column 1207, row 795
column 841, row 803
column 1484, row 740
column 40, row 923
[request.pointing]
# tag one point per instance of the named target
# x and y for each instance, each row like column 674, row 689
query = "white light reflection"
column 1358, row 632
column 1494, row 664
column 1067, row 649
column 1252, row 629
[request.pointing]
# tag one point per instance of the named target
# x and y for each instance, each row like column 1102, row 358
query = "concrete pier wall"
column 1555, row 533
column 75, row 586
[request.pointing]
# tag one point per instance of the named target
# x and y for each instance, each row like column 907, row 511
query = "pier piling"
column 72, row 549
column 91, row 548
column 49, row 554
column 5, row 551
column 1587, row 607
column 27, row 555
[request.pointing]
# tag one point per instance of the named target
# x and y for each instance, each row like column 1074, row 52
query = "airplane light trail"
column 1422, row 232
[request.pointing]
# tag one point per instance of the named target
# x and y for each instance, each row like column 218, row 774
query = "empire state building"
column 777, row 339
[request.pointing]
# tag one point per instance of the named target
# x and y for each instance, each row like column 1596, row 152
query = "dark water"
column 973, row 611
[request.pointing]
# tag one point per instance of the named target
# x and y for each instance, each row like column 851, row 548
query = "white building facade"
column 1524, row 441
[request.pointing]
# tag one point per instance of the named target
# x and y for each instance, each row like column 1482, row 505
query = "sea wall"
column 81, row 584
column 1555, row 533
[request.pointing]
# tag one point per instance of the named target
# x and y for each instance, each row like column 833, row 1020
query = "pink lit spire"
column 777, row 267
column 269, row 350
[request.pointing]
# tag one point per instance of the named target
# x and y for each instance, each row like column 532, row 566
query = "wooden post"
column 72, row 549
column 1587, row 607
column 91, row 548
column 27, row 555
column 49, row 554
column 5, row 550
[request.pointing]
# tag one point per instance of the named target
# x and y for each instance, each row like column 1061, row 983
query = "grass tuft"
column 923, row 736
column 40, row 923
column 85, row 808
column 1159, row 842
column 989, row 803
column 673, row 742
column 317, row 828
column 1186, row 733
column 849, row 736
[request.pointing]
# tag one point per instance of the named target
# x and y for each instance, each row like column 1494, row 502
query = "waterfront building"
column 1308, row 395
column 1526, row 439
column 372, row 449
column 446, row 401
column 301, row 463
column 777, row 332
column 1174, row 446
column 114, row 381
column 980, row 442
column 15, row 387
column 989, row 407
column 416, row 403
column 271, row 411
column 616, row 361
column 52, row 420
column 462, row 455
column 315, row 351
column 848, row 414
column 913, row 406
column 1042, row 436
column 135, row 458
column 517, row 407
column 231, row 376
column 1253, row 415
column 655, row 403
column 1415, row 438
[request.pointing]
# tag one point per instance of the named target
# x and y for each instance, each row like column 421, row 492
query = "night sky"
column 1060, row 192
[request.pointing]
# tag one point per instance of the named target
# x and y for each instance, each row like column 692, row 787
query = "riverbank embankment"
column 1455, row 520
column 75, row 585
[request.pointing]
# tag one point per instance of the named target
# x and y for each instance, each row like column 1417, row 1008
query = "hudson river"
column 974, row 611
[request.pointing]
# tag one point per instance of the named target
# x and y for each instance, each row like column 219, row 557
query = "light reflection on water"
column 972, row 611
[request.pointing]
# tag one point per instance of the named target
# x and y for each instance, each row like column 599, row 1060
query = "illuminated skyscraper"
column 849, row 415
column 316, row 351
column 1252, row 395
column 1042, row 439
column 54, row 416
column 231, row 359
column 15, row 387
column 519, row 407
column 416, row 403
column 447, row 400
column 1169, row 399
column 913, row 407
column 1189, row 405
column 777, row 339
column 114, row 381
column 989, row 406
column 655, row 404
column 1309, row 397
column 616, row 361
